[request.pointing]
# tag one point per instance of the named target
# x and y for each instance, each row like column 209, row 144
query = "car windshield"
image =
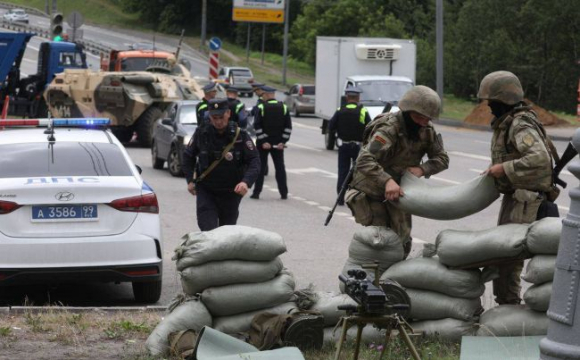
column 188, row 115
column 386, row 90
column 308, row 90
column 70, row 59
column 241, row 73
column 19, row 12
column 139, row 64
column 66, row 159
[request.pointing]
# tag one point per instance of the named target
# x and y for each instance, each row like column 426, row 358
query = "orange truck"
column 133, row 60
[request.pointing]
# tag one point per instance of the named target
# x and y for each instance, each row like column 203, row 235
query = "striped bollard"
column 214, row 63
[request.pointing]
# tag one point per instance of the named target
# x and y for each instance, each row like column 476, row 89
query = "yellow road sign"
column 258, row 15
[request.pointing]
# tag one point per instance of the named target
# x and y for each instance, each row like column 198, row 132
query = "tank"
column 132, row 100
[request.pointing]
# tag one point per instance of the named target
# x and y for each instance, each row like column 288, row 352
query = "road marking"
column 325, row 208
column 479, row 171
column 313, row 203
column 482, row 142
column 311, row 170
column 306, row 126
column 468, row 155
column 419, row 241
column 445, row 180
column 563, row 208
column 28, row 60
column 304, row 147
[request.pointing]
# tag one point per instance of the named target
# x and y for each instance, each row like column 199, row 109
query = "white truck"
column 383, row 68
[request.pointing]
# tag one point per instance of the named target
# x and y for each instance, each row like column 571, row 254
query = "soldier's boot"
column 306, row 331
column 507, row 287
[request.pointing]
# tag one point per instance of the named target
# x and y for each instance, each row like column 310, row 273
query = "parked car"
column 300, row 99
column 172, row 133
column 78, row 212
column 241, row 77
column 16, row 15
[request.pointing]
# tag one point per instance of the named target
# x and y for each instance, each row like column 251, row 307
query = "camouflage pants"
column 517, row 208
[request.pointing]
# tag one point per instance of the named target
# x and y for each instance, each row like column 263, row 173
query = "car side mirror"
column 167, row 121
column 139, row 169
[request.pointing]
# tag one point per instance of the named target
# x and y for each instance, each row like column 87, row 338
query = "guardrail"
column 28, row 9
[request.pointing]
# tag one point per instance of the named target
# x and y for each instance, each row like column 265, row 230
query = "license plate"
column 86, row 212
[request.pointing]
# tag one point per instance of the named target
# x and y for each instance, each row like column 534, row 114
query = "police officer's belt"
column 216, row 162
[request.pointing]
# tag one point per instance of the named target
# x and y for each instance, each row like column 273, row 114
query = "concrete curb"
column 19, row 310
column 461, row 124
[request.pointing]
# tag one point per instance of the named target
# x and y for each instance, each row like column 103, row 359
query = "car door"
column 166, row 131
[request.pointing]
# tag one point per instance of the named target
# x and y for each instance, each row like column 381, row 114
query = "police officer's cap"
column 210, row 87
column 217, row 106
column 268, row 89
column 257, row 85
column 231, row 88
column 352, row 90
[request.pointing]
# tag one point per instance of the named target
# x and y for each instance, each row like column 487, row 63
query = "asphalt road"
column 316, row 254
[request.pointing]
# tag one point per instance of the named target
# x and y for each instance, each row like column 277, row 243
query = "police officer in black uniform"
column 209, row 92
column 222, row 177
column 349, row 123
column 237, row 107
column 273, row 129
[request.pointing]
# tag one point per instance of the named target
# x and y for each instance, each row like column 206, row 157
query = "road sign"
column 262, row 11
column 214, row 63
column 215, row 44
column 75, row 20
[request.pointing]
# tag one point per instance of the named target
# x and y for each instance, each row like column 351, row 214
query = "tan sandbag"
column 445, row 329
column 512, row 320
column 230, row 242
column 430, row 305
column 537, row 297
column 241, row 298
column 430, row 274
column 423, row 198
column 544, row 236
column 327, row 304
column 241, row 322
column 540, row 269
column 195, row 279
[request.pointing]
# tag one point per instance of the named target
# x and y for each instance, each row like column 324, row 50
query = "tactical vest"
column 230, row 171
column 273, row 113
column 351, row 122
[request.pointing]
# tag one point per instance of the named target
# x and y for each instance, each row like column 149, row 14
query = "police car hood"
column 70, row 191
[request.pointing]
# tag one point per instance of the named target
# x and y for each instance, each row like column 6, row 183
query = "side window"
column 172, row 112
column 221, row 72
column 349, row 84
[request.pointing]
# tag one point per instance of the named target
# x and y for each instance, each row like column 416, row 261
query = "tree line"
column 538, row 40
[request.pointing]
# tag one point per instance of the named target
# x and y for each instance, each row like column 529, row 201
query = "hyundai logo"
column 64, row 196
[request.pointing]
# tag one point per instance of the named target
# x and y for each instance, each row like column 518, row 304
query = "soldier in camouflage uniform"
column 521, row 166
column 392, row 144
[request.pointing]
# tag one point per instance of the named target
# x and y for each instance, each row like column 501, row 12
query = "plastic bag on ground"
column 537, row 297
column 376, row 243
column 241, row 298
column 191, row 314
column 544, row 236
column 328, row 303
column 429, row 305
column 195, row 279
column 241, row 322
column 430, row 274
column 463, row 248
column 230, row 242
column 445, row 329
column 512, row 320
column 540, row 269
column 446, row 202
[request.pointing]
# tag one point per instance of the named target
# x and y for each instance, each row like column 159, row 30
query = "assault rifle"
column 568, row 155
column 340, row 193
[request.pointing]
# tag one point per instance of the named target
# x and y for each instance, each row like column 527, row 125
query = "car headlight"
column 186, row 139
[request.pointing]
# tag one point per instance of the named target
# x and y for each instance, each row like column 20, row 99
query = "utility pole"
column 203, row 24
column 54, row 7
column 248, row 43
column 263, row 40
column 285, row 51
column 46, row 7
column 439, row 40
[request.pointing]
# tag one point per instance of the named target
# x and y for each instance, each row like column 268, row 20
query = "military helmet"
column 501, row 86
column 422, row 100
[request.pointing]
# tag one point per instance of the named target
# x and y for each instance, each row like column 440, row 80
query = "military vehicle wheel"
column 123, row 134
column 155, row 160
column 147, row 292
column 145, row 125
column 173, row 163
column 329, row 140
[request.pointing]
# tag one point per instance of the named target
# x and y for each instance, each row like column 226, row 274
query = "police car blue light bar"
column 73, row 122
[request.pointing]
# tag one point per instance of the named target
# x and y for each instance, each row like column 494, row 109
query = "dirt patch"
column 481, row 115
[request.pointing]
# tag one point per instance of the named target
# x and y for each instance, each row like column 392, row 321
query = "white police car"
column 74, row 208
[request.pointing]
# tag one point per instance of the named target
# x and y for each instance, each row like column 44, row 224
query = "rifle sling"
column 214, row 164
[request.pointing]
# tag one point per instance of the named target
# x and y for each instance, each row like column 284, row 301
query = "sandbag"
column 241, row 322
column 445, row 329
column 192, row 314
column 430, row 274
column 195, row 279
column 540, row 269
column 376, row 243
column 445, row 202
column 463, row 248
column 230, row 242
column 430, row 305
column 370, row 334
column 241, row 298
column 512, row 320
column 544, row 236
column 537, row 297
column 327, row 304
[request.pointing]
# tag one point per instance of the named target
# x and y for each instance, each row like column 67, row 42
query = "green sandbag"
column 537, row 297
column 512, row 320
column 544, row 236
column 327, row 304
column 430, row 305
column 540, row 269
column 238, row 323
column 445, row 329
column 376, row 243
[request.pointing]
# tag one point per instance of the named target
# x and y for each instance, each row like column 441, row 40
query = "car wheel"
column 147, row 292
column 329, row 140
column 155, row 160
column 173, row 163
column 295, row 111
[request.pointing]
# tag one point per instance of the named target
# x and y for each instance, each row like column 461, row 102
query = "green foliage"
column 5, row 331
